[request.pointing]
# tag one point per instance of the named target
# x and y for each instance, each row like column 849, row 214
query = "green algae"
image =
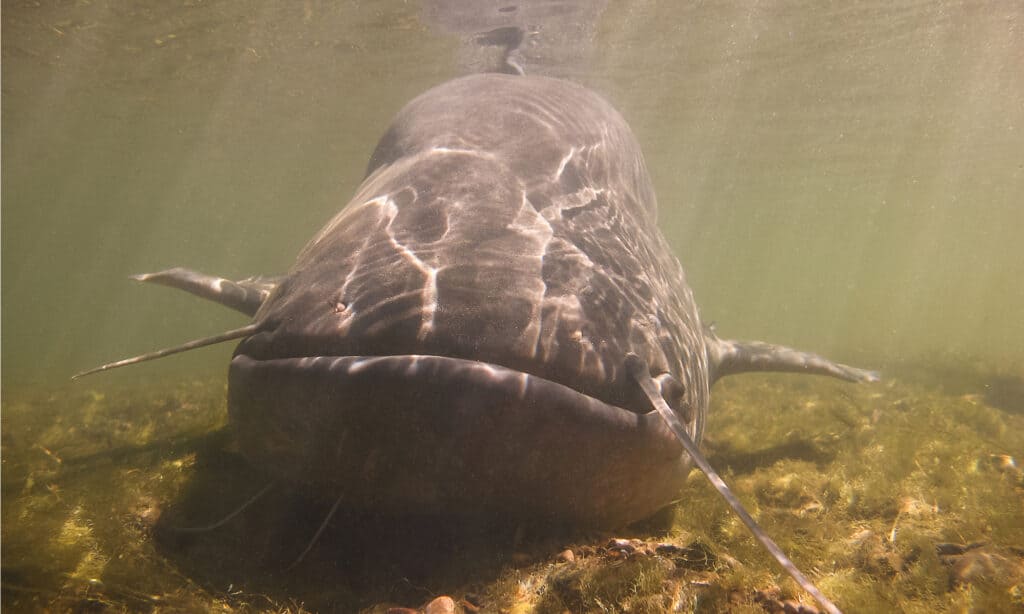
column 902, row 496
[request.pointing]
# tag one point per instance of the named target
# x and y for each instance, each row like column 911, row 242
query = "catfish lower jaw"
column 592, row 375
column 433, row 434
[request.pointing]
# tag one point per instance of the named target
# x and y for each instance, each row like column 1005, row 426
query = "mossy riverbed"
column 906, row 495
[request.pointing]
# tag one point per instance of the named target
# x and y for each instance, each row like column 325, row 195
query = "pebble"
column 974, row 566
column 624, row 547
column 769, row 601
column 566, row 556
column 441, row 605
column 790, row 606
column 948, row 549
column 975, row 562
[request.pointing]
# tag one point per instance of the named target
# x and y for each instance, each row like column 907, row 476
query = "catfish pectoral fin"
column 245, row 295
column 729, row 357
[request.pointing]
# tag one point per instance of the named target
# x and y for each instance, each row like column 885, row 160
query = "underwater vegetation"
column 902, row 496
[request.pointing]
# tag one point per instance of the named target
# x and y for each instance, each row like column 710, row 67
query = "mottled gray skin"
column 454, row 340
column 508, row 220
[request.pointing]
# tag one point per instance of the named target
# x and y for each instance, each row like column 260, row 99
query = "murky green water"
column 844, row 177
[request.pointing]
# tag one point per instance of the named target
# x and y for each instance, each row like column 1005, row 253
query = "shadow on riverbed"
column 360, row 559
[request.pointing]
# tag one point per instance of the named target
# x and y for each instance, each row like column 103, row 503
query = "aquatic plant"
column 905, row 496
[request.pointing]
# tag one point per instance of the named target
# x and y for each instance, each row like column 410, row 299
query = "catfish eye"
column 674, row 393
column 672, row 390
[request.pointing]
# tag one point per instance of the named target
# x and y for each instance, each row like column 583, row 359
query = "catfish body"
column 476, row 299
column 455, row 339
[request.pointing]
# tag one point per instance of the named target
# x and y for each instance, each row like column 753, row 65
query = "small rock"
column 791, row 606
column 769, row 600
column 441, row 605
column 948, row 549
column 147, row 512
column 566, row 556
column 1005, row 463
column 667, row 549
column 974, row 566
column 624, row 546
column 695, row 556
column 975, row 562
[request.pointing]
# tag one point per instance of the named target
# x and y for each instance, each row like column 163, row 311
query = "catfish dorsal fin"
column 237, row 333
column 729, row 357
column 637, row 369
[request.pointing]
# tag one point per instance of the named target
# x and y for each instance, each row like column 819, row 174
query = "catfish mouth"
column 435, row 434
